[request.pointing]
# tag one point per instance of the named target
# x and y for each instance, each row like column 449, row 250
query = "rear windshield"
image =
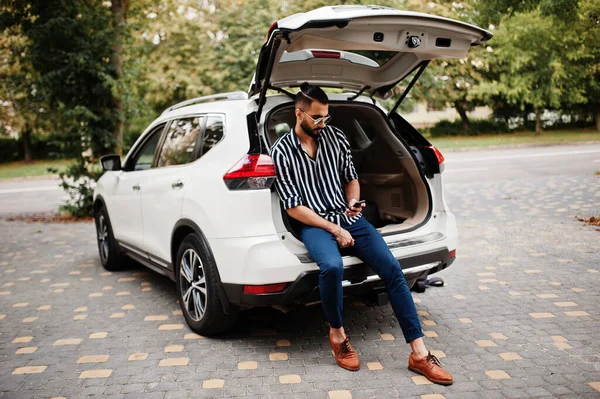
column 370, row 58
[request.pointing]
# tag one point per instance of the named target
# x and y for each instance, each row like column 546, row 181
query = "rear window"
column 370, row 58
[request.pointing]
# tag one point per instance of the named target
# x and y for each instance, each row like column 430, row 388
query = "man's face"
column 316, row 111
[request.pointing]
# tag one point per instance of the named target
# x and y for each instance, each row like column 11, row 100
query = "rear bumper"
column 358, row 279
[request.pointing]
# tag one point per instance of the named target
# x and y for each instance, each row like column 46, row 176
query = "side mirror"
column 110, row 162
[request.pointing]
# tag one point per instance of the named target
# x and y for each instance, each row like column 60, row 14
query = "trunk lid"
column 368, row 48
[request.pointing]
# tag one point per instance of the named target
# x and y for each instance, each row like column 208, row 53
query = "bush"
column 42, row 147
column 79, row 181
column 478, row 127
column 9, row 150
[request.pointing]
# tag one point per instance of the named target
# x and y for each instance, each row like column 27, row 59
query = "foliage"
column 42, row 147
column 79, row 180
column 478, row 127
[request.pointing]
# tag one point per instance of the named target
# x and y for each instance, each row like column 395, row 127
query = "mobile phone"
column 357, row 204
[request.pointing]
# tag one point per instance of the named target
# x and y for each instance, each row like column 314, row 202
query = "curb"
column 510, row 146
column 27, row 178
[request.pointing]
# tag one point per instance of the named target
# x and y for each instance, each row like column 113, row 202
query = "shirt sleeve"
column 347, row 170
column 284, row 184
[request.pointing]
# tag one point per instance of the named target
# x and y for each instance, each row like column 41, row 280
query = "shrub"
column 478, row 127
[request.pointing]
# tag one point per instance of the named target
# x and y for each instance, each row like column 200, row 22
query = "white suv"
column 193, row 199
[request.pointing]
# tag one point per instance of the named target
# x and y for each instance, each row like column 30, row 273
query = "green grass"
column 517, row 138
column 35, row 168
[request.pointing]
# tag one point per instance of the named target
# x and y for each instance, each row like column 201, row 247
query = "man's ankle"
column 337, row 335
column 420, row 355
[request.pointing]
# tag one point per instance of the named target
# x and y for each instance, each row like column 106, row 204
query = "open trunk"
column 398, row 198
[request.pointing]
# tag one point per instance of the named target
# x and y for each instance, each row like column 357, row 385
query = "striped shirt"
column 315, row 183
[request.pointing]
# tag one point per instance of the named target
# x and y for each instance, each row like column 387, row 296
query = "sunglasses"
column 324, row 119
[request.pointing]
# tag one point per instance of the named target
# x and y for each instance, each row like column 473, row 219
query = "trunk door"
column 358, row 47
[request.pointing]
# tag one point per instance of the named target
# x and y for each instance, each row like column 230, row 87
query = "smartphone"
column 358, row 204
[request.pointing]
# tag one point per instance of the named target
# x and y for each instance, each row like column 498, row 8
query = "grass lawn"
column 35, row 168
column 517, row 138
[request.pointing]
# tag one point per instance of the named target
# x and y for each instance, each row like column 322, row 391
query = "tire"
column 110, row 257
column 197, row 277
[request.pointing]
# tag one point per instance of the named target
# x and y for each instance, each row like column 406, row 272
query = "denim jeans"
column 370, row 247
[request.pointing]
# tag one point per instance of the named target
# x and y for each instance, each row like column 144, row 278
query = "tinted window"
column 145, row 156
column 180, row 142
column 213, row 133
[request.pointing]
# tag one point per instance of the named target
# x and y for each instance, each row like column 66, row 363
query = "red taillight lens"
column 453, row 253
column 438, row 154
column 325, row 54
column 271, row 29
column 254, row 171
column 264, row 289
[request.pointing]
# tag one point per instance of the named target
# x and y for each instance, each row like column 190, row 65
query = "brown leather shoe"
column 345, row 355
column 431, row 368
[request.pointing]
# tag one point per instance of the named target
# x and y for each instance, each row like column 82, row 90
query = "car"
column 194, row 199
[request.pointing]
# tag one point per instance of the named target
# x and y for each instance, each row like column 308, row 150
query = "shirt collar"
column 297, row 141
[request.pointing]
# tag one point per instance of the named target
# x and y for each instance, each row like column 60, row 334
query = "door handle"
column 178, row 184
column 136, row 187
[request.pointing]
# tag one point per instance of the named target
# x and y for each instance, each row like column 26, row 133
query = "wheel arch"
column 99, row 202
column 181, row 229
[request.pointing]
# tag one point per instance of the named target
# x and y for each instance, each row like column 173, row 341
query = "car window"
column 213, row 133
column 145, row 156
column 180, row 142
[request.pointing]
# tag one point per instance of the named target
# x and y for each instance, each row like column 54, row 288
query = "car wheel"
column 196, row 277
column 110, row 257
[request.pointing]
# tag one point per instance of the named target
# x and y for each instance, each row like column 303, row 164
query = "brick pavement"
column 518, row 317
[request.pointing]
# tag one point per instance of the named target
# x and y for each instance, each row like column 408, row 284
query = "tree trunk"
column 119, row 12
column 598, row 117
column 460, row 108
column 27, row 145
column 538, row 121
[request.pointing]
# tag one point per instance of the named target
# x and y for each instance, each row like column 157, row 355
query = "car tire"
column 110, row 257
column 197, row 281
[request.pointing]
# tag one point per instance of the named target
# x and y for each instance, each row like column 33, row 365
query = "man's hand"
column 350, row 211
column 344, row 238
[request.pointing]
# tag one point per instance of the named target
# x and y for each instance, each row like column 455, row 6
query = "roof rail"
column 234, row 95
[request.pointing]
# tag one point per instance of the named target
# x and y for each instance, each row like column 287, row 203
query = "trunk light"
column 264, row 289
column 438, row 154
column 325, row 54
column 453, row 253
column 253, row 172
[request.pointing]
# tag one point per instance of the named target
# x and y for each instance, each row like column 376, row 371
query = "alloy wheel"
column 102, row 230
column 192, row 280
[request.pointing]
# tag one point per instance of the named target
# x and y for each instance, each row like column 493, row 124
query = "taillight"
column 264, row 289
column 271, row 29
column 438, row 154
column 325, row 54
column 253, row 172
column 453, row 253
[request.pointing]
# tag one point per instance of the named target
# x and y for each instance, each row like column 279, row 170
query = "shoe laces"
column 432, row 359
column 345, row 347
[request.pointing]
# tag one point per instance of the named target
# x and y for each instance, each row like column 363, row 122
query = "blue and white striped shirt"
column 315, row 183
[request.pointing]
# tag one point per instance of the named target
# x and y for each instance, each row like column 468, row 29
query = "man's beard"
column 314, row 133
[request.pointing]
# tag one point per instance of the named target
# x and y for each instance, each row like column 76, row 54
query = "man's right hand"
column 344, row 239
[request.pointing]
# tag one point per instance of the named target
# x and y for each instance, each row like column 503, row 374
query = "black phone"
column 357, row 204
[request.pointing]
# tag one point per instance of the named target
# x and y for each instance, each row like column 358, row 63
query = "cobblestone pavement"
column 519, row 316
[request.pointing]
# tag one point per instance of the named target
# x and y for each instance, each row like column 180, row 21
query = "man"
column 318, row 186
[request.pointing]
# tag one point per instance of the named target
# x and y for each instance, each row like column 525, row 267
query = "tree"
column 23, row 110
column 537, row 61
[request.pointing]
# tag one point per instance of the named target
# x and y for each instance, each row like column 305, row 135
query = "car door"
column 124, row 205
column 162, row 196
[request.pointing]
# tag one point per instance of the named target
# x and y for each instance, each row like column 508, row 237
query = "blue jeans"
column 370, row 247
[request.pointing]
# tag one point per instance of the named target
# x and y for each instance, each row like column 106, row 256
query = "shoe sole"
column 347, row 368
column 431, row 379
